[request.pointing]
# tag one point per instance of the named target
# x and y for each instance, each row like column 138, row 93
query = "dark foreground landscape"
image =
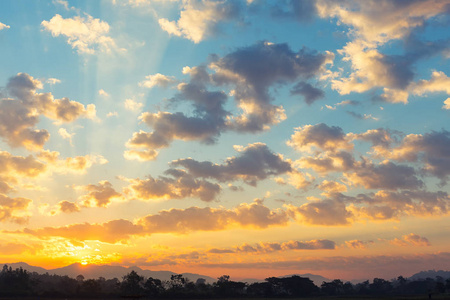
column 21, row 284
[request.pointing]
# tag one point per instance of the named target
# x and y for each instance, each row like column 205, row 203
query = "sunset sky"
column 253, row 138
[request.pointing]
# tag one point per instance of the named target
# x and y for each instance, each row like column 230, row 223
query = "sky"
column 251, row 138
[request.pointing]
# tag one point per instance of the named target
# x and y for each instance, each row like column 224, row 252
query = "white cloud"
column 4, row 26
column 157, row 80
column 446, row 104
column 65, row 135
column 132, row 105
column 103, row 93
column 53, row 81
column 85, row 34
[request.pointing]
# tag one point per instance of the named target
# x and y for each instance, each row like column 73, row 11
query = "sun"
column 84, row 263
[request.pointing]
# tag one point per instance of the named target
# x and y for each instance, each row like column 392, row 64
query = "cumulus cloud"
column 132, row 105
column 328, row 212
column 254, row 69
column 319, row 136
column 387, row 205
column 309, row 93
column 14, row 209
column 14, row 168
column 99, row 195
column 266, row 247
column 254, row 215
column 180, row 221
column 331, row 187
column 250, row 81
column 446, row 104
column 4, row 26
column 254, row 163
column 374, row 23
column 200, row 19
column 103, row 93
column 157, row 80
column 19, row 116
column 178, row 186
column 381, row 21
column 411, row 240
column 386, row 175
column 76, row 164
column 85, row 34
column 66, row 135
column 53, row 81
column 328, row 161
column 432, row 149
column 141, row 155
column 68, row 207
column 358, row 244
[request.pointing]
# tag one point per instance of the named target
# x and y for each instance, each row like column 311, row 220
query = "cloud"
column 180, row 221
column 14, row 168
column 432, row 149
column 327, row 212
column 68, row 207
column 99, row 195
column 358, row 244
column 14, row 209
column 331, row 187
column 85, row 34
column 254, row 69
column 254, row 215
column 446, row 104
column 309, row 93
column 77, row 164
column 180, row 185
column 157, row 80
column 19, row 116
column 386, row 175
column 65, row 135
column 285, row 246
column 4, row 26
column 250, row 79
column 53, row 81
column 254, row 163
column 132, row 105
column 319, row 136
column 380, row 21
column 141, row 155
column 328, row 161
column 200, row 19
column 109, row 232
column 103, row 93
column 390, row 205
column 362, row 117
column 411, row 240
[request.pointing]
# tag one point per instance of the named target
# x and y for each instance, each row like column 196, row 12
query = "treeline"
column 21, row 283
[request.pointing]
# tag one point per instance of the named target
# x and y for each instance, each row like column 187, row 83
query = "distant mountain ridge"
column 430, row 274
column 109, row 272
column 106, row 271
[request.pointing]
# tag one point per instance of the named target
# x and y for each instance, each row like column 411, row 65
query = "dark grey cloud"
column 386, row 175
column 178, row 186
column 309, row 93
column 254, row 163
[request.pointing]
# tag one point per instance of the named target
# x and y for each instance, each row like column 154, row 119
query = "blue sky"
column 179, row 134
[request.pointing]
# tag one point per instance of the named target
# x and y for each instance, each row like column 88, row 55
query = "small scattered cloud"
column 157, row 80
column 132, row 105
column 411, row 240
column 85, row 34
column 66, row 135
column 4, row 26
